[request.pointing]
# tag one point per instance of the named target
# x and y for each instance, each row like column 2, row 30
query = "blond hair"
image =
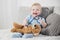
column 36, row 4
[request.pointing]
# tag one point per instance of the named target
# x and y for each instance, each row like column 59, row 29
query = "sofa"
column 52, row 19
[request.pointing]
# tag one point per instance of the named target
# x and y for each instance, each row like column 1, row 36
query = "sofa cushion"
column 53, row 27
column 47, row 11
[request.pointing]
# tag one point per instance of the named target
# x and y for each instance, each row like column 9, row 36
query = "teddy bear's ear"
column 18, row 26
column 14, row 24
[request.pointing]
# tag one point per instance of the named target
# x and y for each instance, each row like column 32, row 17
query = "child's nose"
column 35, row 11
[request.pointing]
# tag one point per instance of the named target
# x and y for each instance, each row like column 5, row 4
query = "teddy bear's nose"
column 22, row 26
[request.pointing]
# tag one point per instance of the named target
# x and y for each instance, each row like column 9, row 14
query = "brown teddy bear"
column 26, row 29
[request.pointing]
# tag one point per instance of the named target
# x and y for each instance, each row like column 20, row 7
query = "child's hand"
column 43, row 23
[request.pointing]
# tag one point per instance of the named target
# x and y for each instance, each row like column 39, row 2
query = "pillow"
column 47, row 11
column 53, row 28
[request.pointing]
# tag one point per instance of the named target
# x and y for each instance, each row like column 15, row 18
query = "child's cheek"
column 39, row 13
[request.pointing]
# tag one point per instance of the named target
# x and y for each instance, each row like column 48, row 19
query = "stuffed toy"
column 26, row 29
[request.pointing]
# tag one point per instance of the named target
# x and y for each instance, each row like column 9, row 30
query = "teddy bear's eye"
column 34, row 25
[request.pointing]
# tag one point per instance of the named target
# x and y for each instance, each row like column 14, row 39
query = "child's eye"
column 33, row 9
column 37, row 9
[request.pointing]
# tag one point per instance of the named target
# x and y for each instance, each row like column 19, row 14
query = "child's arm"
column 25, row 21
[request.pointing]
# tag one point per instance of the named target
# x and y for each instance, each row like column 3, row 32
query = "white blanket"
column 5, row 34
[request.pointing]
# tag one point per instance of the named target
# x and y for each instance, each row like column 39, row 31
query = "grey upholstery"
column 53, row 27
column 47, row 11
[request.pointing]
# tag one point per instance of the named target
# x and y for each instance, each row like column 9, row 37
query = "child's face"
column 36, row 10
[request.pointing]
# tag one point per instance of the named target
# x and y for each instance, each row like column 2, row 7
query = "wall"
column 42, row 2
column 7, row 8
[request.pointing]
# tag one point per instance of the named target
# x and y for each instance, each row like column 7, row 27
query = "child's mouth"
column 35, row 13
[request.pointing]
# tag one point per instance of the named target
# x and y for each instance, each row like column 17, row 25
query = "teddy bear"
column 36, row 29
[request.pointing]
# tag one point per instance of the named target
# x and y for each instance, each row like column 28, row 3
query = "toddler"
column 33, row 19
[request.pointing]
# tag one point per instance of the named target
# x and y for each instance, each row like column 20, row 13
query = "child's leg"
column 16, row 35
column 27, row 36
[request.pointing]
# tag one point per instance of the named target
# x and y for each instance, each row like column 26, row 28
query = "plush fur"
column 26, row 29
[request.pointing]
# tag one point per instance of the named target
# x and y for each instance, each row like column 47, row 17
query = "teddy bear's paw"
column 36, row 34
column 36, row 31
column 13, row 30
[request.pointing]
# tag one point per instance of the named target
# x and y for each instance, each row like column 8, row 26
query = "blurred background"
column 9, row 10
